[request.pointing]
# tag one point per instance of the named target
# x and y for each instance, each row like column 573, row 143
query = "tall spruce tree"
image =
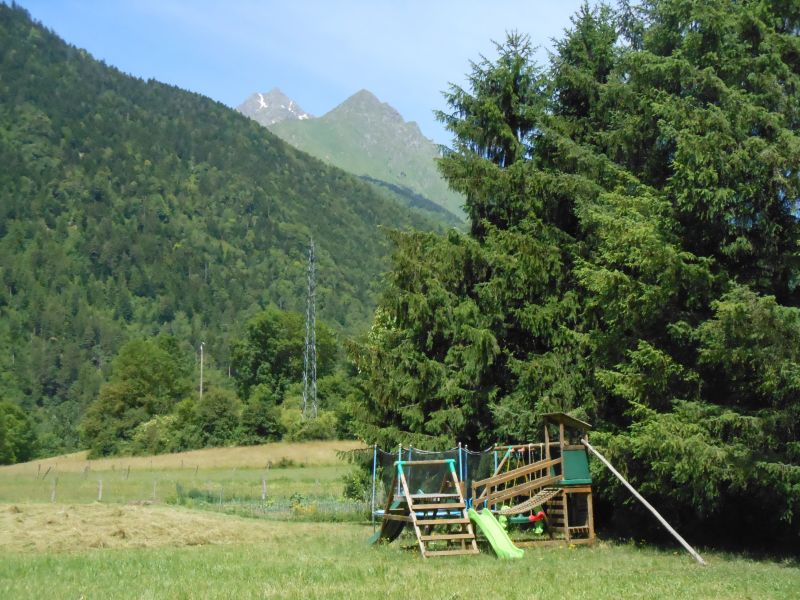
column 475, row 335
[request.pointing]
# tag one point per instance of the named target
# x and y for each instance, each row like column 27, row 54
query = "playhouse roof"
column 559, row 417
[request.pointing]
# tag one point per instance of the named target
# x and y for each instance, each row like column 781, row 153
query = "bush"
column 358, row 484
column 17, row 437
column 261, row 417
column 156, row 436
column 299, row 429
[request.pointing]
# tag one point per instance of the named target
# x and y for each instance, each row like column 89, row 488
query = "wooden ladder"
column 458, row 536
column 557, row 516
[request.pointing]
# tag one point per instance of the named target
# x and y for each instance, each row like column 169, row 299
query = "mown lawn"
column 181, row 553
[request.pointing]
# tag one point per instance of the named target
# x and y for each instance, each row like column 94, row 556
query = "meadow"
column 81, row 548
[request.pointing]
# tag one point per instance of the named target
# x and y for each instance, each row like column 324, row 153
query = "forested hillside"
column 632, row 259
column 130, row 208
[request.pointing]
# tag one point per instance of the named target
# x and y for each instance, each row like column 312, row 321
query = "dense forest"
column 130, row 209
column 632, row 259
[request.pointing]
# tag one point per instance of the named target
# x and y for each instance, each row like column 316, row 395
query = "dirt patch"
column 74, row 528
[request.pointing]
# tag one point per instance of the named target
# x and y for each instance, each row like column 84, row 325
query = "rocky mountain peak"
column 272, row 107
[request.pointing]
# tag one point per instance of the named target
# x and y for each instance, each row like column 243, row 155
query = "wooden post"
column 263, row 489
column 590, row 515
column 546, row 441
column 99, row 490
column 647, row 505
column 53, row 491
column 39, row 471
column 128, row 473
column 154, row 490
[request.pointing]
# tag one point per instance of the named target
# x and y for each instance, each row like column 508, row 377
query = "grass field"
column 89, row 549
column 310, row 470
column 99, row 551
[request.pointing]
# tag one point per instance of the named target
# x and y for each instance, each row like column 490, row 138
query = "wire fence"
column 304, row 493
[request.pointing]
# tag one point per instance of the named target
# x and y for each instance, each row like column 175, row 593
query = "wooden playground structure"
column 552, row 477
column 547, row 485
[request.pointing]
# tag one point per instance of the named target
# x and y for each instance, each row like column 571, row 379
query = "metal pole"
column 374, row 474
column 202, row 345
column 459, row 461
column 399, row 459
column 641, row 499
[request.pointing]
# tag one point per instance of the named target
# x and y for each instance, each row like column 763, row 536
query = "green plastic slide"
column 497, row 536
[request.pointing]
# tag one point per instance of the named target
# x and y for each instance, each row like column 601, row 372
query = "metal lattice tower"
column 310, row 355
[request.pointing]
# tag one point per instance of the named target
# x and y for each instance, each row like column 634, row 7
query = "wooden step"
column 437, row 537
column 451, row 552
column 462, row 521
column 430, row 496
column 448, row 506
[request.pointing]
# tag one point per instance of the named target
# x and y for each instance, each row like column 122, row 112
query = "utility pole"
column 310, row 354
column 202, row 345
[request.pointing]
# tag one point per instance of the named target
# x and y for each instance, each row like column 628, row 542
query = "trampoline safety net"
column 428, row 478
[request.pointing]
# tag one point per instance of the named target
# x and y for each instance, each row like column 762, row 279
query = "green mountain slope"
column 130, row 207
column 370, row 138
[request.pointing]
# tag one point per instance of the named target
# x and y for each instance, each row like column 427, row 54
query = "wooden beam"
column 451, row 552
column 447, row 506
column 453, row 521
column 519, row 490
column 647, row 505
column 518, row 472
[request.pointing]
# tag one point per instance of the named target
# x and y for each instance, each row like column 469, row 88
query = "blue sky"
column 317, row 52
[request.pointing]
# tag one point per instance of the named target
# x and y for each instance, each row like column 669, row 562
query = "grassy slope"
column 365, row 137
column 306, row 453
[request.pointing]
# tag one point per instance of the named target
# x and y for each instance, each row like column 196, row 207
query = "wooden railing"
column 496, row 489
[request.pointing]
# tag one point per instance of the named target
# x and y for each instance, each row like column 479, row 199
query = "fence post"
column 99, row 490
column 128, row 473
column 263, row 489
column 53, row 492
column 154, row 490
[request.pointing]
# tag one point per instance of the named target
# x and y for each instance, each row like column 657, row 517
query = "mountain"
column 130, row 208
column 272, row 107
column 370, row 138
